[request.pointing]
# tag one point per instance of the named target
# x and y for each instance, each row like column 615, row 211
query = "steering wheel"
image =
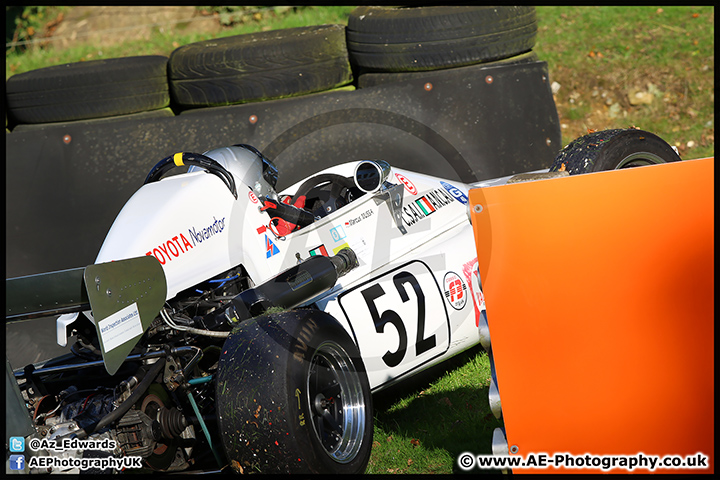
column 338, row 184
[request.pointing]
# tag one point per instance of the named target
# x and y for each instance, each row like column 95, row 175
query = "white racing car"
column 228, row 326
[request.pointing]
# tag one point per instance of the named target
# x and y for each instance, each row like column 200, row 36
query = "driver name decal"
column 426, row 205
column 356, row 220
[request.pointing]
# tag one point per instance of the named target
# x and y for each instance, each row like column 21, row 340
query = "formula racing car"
column 227, row 326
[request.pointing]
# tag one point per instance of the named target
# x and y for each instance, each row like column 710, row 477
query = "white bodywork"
column 414, row 300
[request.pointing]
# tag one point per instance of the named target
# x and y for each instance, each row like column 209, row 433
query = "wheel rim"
column 337, row 405
column 638, row 160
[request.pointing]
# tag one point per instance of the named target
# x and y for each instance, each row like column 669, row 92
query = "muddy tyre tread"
column 265, row 414
column 611, row 149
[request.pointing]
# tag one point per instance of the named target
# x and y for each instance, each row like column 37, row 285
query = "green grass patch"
column 164, row 41
column 423, row 426
column 599, row 55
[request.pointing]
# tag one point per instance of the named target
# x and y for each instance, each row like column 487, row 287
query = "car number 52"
column 399, row 320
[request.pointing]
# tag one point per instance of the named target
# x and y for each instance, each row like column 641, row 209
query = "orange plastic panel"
column 599, row 292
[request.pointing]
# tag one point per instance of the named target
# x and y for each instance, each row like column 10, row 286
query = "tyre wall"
column 71, row 165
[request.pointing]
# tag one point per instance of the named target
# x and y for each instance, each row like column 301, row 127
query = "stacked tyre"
column 420, row 39
column 90, row 90
column 259, row 66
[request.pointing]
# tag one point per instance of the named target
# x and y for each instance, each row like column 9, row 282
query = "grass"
column 597, row 55
column 424, row 425
column 164, row 41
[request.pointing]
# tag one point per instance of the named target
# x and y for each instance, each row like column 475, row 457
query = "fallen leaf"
column 695, row 15
column 389, row 439
column 415, row 442
column 410, row 462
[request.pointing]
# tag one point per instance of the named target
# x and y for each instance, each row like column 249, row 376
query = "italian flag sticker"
column 319, row 251
column 425, row 206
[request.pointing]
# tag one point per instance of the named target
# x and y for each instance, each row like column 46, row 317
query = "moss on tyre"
column 259, row 66
column 381, row 78
column 293, row 396
column 428, row 38
column 613, row 149
column 93, row 89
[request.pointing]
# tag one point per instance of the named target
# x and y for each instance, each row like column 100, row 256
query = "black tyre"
column 260, row 66
column 293, row 396
column 428, row 38
column 372, row 79
column 612, row 150
column 93, row 89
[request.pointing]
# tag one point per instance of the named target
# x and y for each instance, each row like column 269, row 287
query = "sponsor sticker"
column 455, row 192
column 472, row 274
column 253, row 198
column 409, row 186
column 338, row 233
column 455, row 290
column 270, row 248
column 321, row 250
column 418, row 209
column 120, row 327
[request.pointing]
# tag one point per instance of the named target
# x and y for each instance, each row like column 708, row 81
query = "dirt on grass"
column 115, row 25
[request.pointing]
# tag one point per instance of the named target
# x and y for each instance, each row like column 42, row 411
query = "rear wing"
column 124, row 297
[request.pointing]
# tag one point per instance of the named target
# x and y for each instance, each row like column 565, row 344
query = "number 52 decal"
column 399, row 320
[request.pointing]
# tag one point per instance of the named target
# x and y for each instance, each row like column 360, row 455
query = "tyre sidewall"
column 319, row 329
column 631, row 142
column 264, row 423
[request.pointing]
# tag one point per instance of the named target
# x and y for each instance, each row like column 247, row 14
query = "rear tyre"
column 613, row 150
column 293, row 396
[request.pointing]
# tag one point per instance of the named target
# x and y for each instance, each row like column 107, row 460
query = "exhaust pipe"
column 288, row 289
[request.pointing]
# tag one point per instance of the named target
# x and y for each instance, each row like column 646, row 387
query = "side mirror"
column 371, row 174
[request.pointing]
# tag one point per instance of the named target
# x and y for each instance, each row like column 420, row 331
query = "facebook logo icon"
column 17, row 462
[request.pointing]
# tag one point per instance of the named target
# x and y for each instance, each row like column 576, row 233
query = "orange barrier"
column 599, row 292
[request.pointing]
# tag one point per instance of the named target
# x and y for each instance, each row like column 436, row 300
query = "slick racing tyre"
column 93, row 89
column 429, row 38
column 293, row 396
column 259, row 66
column 613, row 150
